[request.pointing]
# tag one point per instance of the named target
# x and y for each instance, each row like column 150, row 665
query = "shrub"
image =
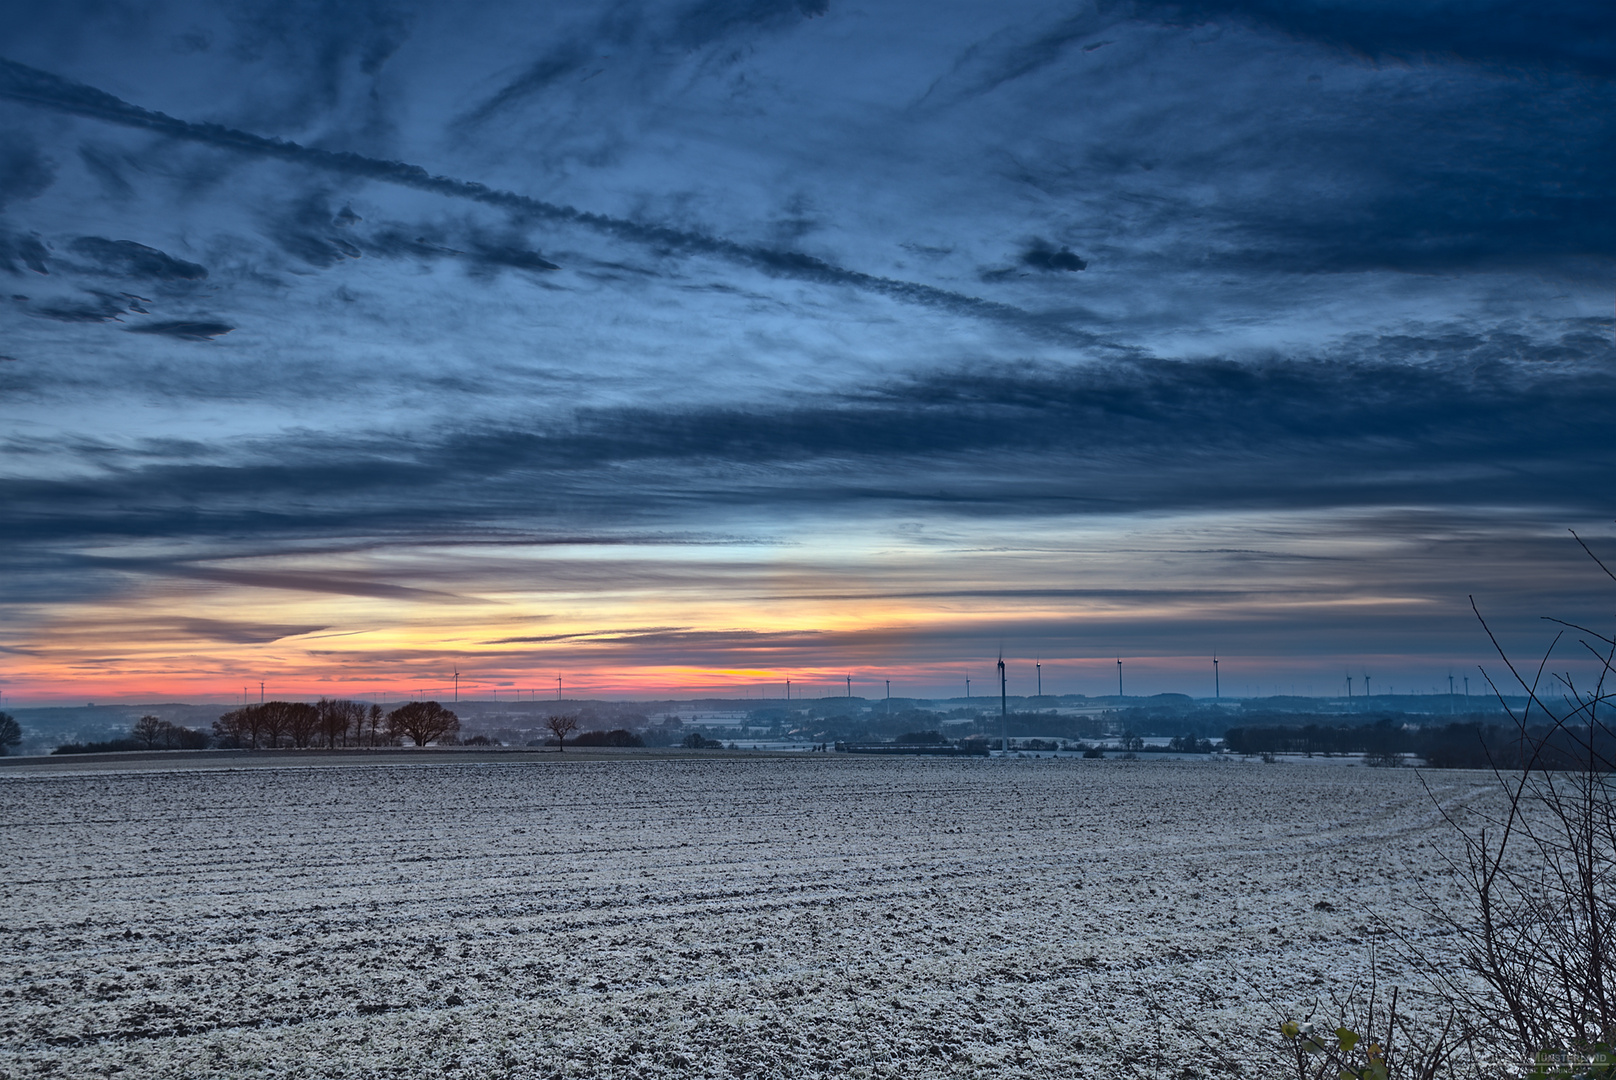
column 1536, row 923
column 615, row 737
column 113, row 746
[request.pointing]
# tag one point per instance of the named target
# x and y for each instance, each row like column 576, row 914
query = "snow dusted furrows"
column 804, row 916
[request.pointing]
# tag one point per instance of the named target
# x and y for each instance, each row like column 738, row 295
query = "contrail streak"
column 30, row 86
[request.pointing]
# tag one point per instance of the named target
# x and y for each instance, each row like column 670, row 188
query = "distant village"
column 1432, row 730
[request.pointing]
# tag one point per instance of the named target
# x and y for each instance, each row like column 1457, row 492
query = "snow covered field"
column 812, row 915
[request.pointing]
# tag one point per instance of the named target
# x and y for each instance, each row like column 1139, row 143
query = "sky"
column 691, row 347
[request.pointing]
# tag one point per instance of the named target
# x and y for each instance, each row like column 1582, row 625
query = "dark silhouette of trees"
column 240, row 727
column 302, row 722
column 10, row 733
column 272, row 722
column 153, row 733
column 423, row 722
column 615, row 737
column 268, row 724
column 148, row 731
column 373, row 721
column 338, row 718
column 561, row 727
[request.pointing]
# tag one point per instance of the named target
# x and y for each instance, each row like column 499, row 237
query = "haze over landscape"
column 686, row 348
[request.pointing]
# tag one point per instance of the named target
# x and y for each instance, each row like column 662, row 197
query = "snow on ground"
column 791, row 916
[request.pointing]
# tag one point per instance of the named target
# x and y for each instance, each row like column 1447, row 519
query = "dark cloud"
column 1042, row 255
column 614, row 635
column 129, row 259
column 1579, row 35
column 1012, row 54
column 511, row 255
column 92, row 306
column 1145, row 436
column 318, row 46
column 642, row 36
column 19, row 251
column 25, row 172
column 242, row 633
column 479, row 252
column 106, row 168
column 336, row 584
column 309, row 230
column 185, row 330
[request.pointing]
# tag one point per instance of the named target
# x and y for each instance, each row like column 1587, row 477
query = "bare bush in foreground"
column 1537, row 923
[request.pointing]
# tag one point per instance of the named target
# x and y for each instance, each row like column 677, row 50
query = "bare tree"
column 273, row 721
column 10, row 733
column 338, row 717
column 374, row 720
column 302, row 722
column 561, row 727
column 242, row 726
column 423, row 721
column 147, row 731
column 1537, row 919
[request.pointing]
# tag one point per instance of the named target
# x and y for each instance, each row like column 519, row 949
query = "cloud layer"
column 421, row 322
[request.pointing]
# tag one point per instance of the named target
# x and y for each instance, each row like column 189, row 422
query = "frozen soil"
column 802, row 916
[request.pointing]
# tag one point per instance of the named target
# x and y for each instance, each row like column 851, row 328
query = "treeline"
column 1465, row 745
column 147, row 733
column 329, row 723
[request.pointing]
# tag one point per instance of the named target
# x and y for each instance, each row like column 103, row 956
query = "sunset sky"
column 690, row 347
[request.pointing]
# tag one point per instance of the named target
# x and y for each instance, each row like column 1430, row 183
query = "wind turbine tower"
column 1119, row 676
column 1217, row 687
column 457, row 684
column 1004, row 712
column 1040, row 666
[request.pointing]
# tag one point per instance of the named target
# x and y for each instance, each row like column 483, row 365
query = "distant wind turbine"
column 1004, row 712
column 1119, row 676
